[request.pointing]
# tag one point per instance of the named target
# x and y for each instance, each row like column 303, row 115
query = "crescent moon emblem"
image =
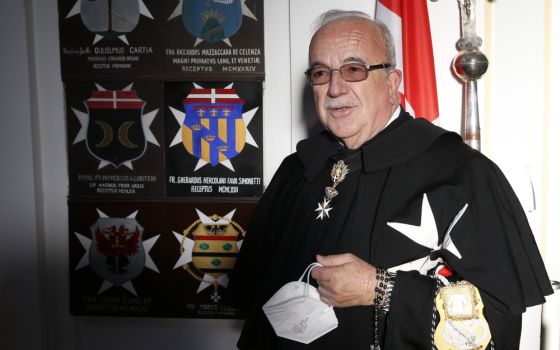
column 107, row 133
column 123, row 134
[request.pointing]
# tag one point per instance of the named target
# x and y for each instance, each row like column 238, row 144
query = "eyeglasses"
column 321, row 74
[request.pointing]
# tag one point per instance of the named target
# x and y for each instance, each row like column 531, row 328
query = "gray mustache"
column 340, row 104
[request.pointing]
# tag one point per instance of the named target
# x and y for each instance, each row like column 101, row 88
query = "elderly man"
column 421, row 240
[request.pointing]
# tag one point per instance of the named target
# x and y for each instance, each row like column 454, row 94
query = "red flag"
column 409, row 23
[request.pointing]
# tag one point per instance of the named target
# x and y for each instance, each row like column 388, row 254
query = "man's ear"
column 393, row 81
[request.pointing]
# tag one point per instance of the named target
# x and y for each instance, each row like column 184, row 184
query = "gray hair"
column 340, row 15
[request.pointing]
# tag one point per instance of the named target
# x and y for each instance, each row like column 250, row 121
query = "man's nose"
column 337, row 85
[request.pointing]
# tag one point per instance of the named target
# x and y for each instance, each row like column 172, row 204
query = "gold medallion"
column 339, row 172
column 462, row 325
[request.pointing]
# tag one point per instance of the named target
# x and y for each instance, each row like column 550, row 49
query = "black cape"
column 389, row 177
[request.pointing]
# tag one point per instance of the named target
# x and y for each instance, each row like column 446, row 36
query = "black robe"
column 389, row 177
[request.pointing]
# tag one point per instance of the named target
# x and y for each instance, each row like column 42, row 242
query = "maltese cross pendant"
column 323, row 209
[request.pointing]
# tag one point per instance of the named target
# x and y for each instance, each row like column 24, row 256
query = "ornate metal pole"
column 469, row 65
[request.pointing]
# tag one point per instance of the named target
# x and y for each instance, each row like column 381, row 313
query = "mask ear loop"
column 308, row 272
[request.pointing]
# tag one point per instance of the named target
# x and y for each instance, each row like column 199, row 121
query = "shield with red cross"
column 115, row 133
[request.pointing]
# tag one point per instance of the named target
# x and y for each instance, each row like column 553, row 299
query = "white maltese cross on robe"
column 427, row 235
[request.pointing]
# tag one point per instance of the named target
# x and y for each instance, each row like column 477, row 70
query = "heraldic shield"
column 213, row 129
column 106, row 16
column 212, row 20
column 216, row 245
column 117, row 254
column 115, row 133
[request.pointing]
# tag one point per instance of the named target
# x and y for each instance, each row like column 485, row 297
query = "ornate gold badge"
column 462, row 325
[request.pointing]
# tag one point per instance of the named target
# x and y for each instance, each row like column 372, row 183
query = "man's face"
column 353, row 111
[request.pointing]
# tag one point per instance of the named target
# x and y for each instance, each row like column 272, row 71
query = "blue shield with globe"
column 212, row 20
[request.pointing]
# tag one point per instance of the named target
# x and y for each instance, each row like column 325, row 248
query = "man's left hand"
column 345, row 280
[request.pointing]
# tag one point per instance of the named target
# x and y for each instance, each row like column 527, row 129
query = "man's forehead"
column 349, row 41
column 349, row 59
column 348, row 26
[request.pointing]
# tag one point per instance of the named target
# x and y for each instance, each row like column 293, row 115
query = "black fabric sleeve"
column 505, row 327
column 501, row 256
column 242, row 287
column 409, row 321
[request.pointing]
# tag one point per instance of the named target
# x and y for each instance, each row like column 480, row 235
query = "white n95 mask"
column 296, row 311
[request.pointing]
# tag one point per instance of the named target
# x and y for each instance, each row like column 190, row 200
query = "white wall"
column 521, row 40
column 550, row 186
column 19, row 242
